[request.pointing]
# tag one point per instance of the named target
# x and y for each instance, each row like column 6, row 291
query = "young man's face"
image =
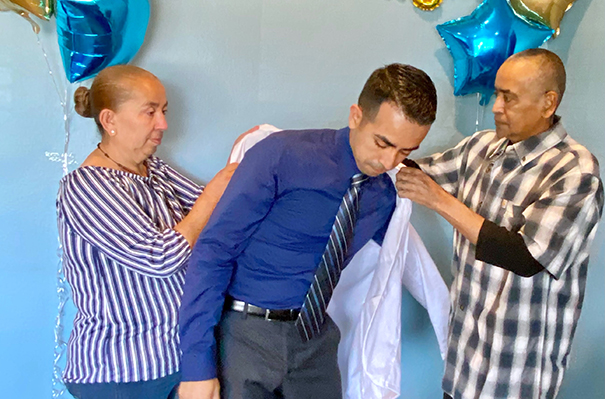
column 383, row 143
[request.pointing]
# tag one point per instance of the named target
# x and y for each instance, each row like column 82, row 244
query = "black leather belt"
column 267, row 314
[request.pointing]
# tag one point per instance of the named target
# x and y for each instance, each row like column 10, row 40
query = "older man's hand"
column 417, row 186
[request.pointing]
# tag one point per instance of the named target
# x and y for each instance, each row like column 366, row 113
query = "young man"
column 279, row 238
column 525, row 201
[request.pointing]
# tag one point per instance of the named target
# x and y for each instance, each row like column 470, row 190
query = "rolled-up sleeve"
column 184, row 188
column 103, row 213
column 563, row 220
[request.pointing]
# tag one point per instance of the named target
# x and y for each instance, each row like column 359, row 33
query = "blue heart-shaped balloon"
column 95, row 34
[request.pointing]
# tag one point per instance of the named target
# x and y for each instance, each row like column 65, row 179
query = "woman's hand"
column 208, row 389
column 216, row 187
column 241, row 136
column 193, row 224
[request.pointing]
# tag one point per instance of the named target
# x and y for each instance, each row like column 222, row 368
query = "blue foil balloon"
column 481, row 42
column 95, row 34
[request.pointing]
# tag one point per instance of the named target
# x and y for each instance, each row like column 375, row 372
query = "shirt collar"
column 153, row 165
column 345, row 152
column 534, row 146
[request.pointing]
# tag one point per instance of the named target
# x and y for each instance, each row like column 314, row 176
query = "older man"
column 525, row 201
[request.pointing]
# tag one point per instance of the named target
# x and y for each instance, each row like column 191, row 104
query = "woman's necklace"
column 116, row 162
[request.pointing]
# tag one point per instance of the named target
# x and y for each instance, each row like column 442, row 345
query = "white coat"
column 366, row 303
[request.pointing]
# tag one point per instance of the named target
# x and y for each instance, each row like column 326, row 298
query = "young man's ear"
column 355, row 116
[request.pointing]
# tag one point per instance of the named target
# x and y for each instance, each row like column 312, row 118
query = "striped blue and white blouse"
column 126, row 266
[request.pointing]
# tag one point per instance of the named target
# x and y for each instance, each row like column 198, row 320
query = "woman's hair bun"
column 82, row 102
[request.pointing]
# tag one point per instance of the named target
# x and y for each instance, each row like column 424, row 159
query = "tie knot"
column 357, row 179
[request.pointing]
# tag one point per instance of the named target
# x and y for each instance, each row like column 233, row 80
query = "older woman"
column 127, row 221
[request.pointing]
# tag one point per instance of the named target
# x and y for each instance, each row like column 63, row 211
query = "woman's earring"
column 113, row 132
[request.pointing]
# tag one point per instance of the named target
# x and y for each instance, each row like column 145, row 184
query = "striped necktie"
column 313, row 312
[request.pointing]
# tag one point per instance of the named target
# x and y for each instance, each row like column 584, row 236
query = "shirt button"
column 462, row 307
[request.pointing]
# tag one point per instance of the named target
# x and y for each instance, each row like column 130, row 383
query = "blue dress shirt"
column 268, row 232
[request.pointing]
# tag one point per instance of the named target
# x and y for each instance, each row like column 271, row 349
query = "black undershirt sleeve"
column 500, row 247
column 410, row 163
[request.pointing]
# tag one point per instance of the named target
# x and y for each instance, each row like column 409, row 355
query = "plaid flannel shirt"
column 510, row 336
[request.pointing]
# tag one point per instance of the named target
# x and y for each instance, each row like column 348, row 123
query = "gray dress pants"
column 260, row 359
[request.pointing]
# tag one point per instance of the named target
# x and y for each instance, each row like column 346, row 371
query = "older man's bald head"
column 549, row 72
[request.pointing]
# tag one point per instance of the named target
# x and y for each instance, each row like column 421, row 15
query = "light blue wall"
column 227, row 66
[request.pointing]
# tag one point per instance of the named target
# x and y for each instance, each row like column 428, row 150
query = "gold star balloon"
column 40, row 8
column 427, row 5
column 545, row 12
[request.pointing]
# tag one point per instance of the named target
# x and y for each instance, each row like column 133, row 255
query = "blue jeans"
column 162, row 388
